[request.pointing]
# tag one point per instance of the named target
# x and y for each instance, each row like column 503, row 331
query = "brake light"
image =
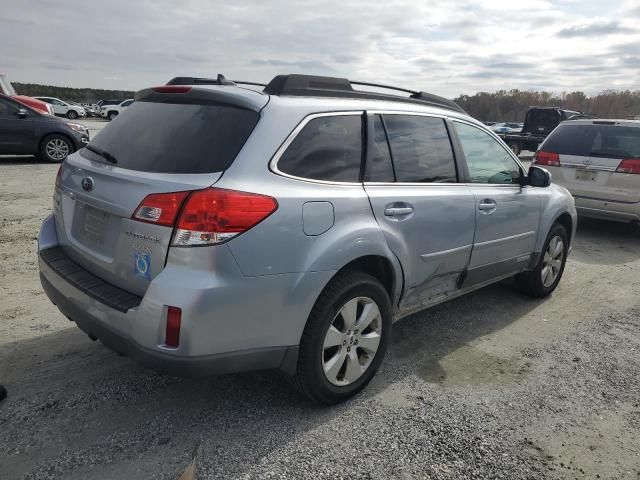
column 172, row 331
column 214, row 215
column 160, row 208
column 630, row 165
column 172, row 89
column 551, row 159
column 59, row 176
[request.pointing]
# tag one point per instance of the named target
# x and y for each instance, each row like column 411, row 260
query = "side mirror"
column 539, row 177
column 22, row 113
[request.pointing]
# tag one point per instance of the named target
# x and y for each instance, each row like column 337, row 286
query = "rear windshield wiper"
column 104, row 154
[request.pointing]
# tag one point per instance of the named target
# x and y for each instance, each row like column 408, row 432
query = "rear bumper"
column 230, row 324
column 607, row 209
column 182, row 366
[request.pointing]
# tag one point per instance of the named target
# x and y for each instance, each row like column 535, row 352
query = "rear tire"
column 55, row 148
column 72, row 115
column 544, row 278
column 112, row 115
column 345, row 339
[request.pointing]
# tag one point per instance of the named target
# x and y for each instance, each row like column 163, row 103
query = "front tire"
column 544, row 278
column 72, row 115
column 345, row 339
column 112, row 115
column 55, row 148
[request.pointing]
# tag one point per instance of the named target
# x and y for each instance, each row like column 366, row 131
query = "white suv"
column 112, row 111
column 65, row 109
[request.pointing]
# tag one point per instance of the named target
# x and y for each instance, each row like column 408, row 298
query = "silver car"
column 598, row 161
column 215, row 228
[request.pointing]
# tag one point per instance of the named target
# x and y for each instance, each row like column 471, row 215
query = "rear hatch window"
column 595, row 140
column 542, row 121
column 175, row 138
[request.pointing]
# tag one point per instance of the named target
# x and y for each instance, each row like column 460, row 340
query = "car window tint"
column 488, row 161
column 421, row 149
column 127, row 103
column 7, row 109
column 379, row 168
column 611, row 141
column 327, row 148
column 176, row 138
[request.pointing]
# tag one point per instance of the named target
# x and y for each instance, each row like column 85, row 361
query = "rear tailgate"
column 162, row 143
column 590, row 155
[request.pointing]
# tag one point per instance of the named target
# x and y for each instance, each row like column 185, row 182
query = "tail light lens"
column 59, row 175
column 160, row 208
column 213, row 215
column 205, row 217
column 551, row 159
column 630, row 165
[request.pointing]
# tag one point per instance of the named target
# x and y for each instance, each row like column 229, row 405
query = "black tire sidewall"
column 112, row 115
column 72, row 115
column 325, row 310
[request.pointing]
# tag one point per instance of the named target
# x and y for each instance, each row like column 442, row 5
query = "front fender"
column 556, row 201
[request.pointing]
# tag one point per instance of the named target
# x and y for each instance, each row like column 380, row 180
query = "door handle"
column 487, row 205
column 397, row 211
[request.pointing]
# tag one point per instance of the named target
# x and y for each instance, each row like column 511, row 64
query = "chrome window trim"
column 273, row 164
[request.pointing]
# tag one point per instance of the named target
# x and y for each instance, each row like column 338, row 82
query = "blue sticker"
column 142, row 264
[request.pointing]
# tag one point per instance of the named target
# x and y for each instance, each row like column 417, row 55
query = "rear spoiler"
column 235, row 98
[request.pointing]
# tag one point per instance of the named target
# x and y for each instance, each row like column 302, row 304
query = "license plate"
column 586, row 175
column 94, row 225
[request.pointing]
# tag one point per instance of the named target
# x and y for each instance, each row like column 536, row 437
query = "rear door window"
column 176, row 138
column 595, row 140
column 421, row 149
column 327, row 148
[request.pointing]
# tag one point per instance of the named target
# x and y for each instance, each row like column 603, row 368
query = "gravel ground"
column 492, row 385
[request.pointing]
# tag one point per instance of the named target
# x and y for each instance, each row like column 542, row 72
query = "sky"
column 447, row 47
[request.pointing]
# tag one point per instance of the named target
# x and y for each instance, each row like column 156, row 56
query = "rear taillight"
column 172, row 331
column 160, row 208
column 205, row 217
column 630, row 165
column 213, row 215
column 551, row 159
column 59, row 176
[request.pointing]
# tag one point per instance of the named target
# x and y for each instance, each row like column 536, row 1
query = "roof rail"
column 317, row 86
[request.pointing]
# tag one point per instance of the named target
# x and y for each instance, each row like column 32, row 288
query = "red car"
column 39, row 105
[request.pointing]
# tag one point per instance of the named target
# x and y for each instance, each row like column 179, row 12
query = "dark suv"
column 24, row 131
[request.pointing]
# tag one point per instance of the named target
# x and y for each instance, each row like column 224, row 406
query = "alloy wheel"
column 57, row 149
column 351, row 341
column 552, row 261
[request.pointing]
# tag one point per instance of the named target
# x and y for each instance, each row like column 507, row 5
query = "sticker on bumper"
column 142, row 264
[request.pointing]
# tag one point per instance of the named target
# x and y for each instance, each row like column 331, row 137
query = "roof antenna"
column 223, row 81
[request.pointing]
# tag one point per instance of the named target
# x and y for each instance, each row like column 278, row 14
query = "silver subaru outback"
column 215, row 228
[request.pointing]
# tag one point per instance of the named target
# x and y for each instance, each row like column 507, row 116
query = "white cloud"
column 440, row 46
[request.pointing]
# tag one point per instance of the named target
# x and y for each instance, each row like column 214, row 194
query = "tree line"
column 79, row 95
column 500, row 106
column 511, row 105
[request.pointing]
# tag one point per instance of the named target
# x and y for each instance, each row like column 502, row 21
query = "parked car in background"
column 25, row 131
column 64, row 109
column 111, row 111
column 538, row 123
column 92, row 109
column 506, row 127
column 598, row 161
column 289, row 248
column 7, row 89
